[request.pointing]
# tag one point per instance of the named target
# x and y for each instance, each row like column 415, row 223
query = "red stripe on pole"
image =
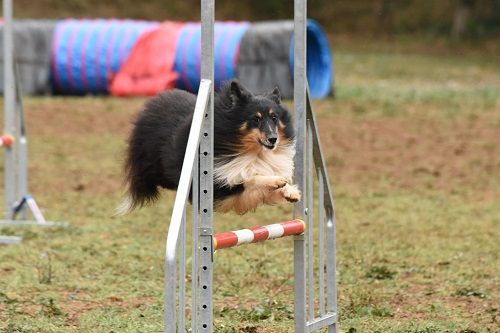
column 225, row 240
column 260, row 234
column 295, row 227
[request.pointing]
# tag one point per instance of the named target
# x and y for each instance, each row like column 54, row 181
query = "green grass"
column 412, row 142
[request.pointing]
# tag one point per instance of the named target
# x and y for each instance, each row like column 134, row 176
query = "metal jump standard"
column 15, row 143
column 311, row 313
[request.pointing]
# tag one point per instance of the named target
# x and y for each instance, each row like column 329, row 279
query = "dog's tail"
column 140, row 193
column 140, row 179
column 125, row 207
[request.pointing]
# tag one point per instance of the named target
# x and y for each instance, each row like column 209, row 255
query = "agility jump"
column 314, row 252
column 15, row 142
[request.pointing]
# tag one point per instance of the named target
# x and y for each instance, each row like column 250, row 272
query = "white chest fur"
column 278, row 162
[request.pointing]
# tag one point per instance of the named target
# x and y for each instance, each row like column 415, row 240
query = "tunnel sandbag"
column 227, row 38
column 32, row 41
column 263, row 59
column 266, row 58
column 87, row 53
column 145, row 72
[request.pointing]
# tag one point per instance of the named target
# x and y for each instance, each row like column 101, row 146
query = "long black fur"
column 158, row 141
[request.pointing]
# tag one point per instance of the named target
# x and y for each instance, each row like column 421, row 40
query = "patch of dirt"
column 74, row 307
column 421, row 298
column 3, row 312
column 414, row 153
column 68, row 118
column 6, row 270
column 66, row 133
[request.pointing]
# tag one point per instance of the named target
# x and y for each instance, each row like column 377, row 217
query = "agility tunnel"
column 227, row 37
column 260, row 55
column 145, row 73
column 130, row 57
column 87, row 53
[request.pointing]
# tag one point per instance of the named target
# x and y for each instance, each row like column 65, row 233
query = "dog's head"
column 264, row 122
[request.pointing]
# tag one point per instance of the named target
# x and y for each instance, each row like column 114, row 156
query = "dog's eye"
column 256, row 119
column 274, row 118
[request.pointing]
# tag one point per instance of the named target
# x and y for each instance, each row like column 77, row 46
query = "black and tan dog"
column 253, row 149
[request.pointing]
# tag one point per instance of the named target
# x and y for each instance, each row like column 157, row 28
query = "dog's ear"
column 238, row 92
column 275, row 95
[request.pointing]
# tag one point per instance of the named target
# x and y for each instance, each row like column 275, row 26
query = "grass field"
column 412, row 142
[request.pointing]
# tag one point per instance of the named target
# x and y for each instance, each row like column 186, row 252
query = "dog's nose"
column 272, row 140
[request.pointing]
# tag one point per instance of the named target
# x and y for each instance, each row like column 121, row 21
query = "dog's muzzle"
column 270, row 143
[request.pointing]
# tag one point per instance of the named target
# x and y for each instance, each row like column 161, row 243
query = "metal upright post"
column 299, row 93
column 331, row 271
column 195, row 269
column 9, row 106
column 206, row 172
column 21, row 153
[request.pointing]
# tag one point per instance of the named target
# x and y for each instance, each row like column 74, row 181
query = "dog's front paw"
column 291, row 193
column 277, row 183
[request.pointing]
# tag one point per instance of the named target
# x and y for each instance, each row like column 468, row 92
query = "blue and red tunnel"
column 130, row 57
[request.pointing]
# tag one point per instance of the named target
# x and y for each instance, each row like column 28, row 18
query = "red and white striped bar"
column 6, row 140
column 258, row 234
